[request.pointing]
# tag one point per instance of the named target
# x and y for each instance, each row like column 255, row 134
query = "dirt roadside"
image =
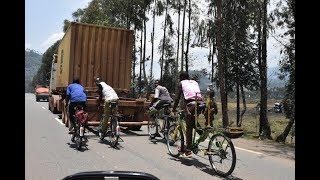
column 267, row 148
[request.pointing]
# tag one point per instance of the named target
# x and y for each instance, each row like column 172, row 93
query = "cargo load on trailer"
column 89, row 51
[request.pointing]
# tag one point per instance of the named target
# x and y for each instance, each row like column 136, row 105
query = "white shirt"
column 108, row 92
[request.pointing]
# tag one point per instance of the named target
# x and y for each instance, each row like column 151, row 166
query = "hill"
column 32, row 64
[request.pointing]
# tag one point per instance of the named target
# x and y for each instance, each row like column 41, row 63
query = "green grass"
column 250, row 122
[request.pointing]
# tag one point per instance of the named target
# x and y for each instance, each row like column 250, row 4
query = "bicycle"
column 154, row 124
column 113, row 129
column 80, row 117
column 220, row 147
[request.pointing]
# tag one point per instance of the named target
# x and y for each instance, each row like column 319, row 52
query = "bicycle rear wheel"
column 114, row 132
column 77, row 137
column 152, row 125
column 175, row 140
column 222, row 155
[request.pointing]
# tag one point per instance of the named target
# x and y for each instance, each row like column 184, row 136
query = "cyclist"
column 191, row 91
column 108, row 94
column 77, row 96
column 161, row 97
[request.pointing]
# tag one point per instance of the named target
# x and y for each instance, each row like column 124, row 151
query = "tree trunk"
column 176, row 77
column 182, row 35
column 140, row 72
column 144, row 51
column 244, row 105
column 163, row 41
column 223, row 94
column 212, row 63
column 238, row 101
column 188, row 37
column 266, row 131
column 283, row 136
column 152, row 38
column 259, row 56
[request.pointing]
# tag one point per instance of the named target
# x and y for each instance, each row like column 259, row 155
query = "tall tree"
column 266, row 130
column 182, row 35
column 285, row 14
column 188, row 36
column 223, row 94
column 177, row 6
column 164, row 37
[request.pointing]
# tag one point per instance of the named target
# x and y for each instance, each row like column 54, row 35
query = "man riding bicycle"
column 77, row 96
column 161, row 97
column 108, row 94
column 191, row 92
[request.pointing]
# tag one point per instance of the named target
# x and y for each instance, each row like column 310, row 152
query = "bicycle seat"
column 201, row 108
column 78, row 107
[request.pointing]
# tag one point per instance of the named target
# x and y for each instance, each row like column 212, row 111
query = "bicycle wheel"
column 114, row 132
column 175, row 140
column 77, row 137
column 222, row 155
column 152, row 125
column 165, row 127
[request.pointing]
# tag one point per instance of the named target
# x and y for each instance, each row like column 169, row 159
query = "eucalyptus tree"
column 285, row 18
column 94, row 13
column 177, row 6
column 221, row 68
column 168, row 25
column 182, row 35
column 239, row 55
column 265, row 126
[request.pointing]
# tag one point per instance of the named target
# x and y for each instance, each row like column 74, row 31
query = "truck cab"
column 42, row 92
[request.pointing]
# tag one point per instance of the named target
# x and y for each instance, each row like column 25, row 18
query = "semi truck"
column 88, row 51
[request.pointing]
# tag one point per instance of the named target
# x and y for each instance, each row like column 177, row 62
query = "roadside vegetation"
column 235, row 35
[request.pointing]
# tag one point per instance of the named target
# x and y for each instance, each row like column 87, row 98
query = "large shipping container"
column 89, row 51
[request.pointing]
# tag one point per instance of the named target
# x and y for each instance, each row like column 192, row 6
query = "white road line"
column 59, row 121
column 249, row 150
column 43, row 107
column 244, row 149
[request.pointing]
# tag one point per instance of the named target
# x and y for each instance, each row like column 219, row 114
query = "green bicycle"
column 221, row 151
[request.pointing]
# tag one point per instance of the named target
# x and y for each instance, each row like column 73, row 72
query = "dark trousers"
column 72, row 111
column 190, row 124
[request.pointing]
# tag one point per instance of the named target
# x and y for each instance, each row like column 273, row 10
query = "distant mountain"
column 32, row 64
column 273, row 79
column 272, row 74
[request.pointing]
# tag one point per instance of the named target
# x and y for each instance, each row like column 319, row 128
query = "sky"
column 44, row 23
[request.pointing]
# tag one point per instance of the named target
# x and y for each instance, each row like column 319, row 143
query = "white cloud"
column 27, row 45
column 50, row 40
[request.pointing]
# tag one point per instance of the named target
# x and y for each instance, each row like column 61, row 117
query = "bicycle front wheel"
column 114, row 132
column 175, row 140
column 222, row 155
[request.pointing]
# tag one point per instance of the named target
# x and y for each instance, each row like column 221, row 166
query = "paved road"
column 51, row 155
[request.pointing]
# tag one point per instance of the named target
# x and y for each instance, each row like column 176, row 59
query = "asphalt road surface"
column 49, row 153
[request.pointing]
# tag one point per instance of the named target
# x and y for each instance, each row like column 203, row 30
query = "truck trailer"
column 89, row 51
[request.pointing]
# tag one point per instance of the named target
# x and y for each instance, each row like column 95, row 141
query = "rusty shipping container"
column 89, row 51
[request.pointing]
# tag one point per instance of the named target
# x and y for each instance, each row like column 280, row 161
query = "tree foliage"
column 43, row 75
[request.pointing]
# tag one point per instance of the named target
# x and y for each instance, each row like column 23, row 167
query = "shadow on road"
column 201, row 166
